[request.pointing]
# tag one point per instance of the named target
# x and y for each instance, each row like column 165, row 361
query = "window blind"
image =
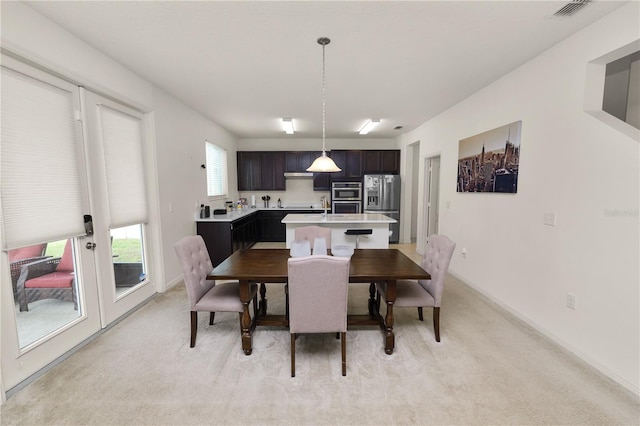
column 40, row 149
column 216, row 171
column 122, row 137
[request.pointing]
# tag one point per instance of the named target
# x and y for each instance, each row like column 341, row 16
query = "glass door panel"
column 127, row 253
column 46, row 294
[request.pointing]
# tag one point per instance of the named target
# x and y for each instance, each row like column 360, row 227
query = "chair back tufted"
column 196, row 265
column 436, row 262
column 318, row 294
column 311, row 233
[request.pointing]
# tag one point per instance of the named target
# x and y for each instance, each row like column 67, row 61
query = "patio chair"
column 22, row 256
column 49, row 278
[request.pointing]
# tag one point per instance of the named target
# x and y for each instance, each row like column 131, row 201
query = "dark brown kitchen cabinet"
column 224, row 238
column 271, row 227
column 350, row 161
column 272, row 171
column 322, row 181
column 299, row 161
column 381, row 161
column 261, row 170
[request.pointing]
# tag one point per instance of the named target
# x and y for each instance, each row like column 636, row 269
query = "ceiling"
column 247, row 64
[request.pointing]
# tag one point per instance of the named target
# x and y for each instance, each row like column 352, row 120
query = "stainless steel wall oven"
column 346, row 197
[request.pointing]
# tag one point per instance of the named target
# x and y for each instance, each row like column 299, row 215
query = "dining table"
column 270, row 266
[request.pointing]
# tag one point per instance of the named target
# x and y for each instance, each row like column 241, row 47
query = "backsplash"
column 299, row 193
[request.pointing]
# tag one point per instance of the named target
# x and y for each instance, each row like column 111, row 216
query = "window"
column 611, row 89
column 621, row 89
column 216, row 171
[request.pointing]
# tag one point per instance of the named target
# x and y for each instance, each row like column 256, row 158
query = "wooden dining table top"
column 270, row 265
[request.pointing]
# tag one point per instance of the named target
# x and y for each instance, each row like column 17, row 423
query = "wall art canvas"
column 488, row 162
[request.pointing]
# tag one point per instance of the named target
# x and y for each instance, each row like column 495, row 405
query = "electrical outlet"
column 170, row 207
column 549, row 219
column 464, row 252
column 447, row 204
column 571, row 301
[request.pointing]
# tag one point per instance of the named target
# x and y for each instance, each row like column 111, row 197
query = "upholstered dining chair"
column 48, row 278
column 318, row 298
column 310, row 233
column 207, row 295
column 21, row 256
column 425, row 293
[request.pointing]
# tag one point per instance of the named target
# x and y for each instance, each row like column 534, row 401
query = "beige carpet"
column 489, row 369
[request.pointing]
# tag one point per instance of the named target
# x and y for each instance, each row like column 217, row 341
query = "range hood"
column 299, row 175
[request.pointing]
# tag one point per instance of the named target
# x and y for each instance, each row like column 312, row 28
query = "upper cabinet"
column 264, row 170
column 381, row 161
column 261, row 171
column 350, row 161
column 299, row 161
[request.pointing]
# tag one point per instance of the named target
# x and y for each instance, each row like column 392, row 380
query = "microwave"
column 346, row 191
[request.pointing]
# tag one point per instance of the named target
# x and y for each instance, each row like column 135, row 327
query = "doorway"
column 431, row 196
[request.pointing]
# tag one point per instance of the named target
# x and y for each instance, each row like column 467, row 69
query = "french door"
column 73, row 212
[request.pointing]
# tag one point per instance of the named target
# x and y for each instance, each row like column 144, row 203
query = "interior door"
column 434, row 185
column 431, row 197
column 44, row 199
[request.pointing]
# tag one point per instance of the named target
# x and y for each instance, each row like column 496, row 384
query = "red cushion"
column 26, row 252
column 52, row 280
column 66, row 263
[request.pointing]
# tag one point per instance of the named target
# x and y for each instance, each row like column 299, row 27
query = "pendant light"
column 323, row 163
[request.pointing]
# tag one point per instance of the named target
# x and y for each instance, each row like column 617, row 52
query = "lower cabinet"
column 271, row 228
column 224, row 238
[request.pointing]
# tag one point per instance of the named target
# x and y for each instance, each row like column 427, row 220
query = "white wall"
column 571, row 164
column 180, row 140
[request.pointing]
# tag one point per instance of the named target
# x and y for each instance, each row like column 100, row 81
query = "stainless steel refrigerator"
column 382, row 195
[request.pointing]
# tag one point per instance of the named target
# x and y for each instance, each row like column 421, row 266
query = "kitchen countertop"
column 239, row 214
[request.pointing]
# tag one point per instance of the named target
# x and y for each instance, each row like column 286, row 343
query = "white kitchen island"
column 339, row 223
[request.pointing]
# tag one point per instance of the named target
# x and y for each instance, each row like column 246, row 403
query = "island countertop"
column 316, row 218
column 377, row 224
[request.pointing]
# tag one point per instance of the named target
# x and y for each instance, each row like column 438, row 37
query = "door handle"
column 90, row 245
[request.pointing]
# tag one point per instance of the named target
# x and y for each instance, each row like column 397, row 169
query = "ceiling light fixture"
column 287, row 124
column 368, row 126
column 323, row 163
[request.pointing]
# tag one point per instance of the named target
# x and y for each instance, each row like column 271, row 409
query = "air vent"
column 570, row 8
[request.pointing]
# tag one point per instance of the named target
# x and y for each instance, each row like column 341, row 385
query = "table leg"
column 263, row 299
column 389, row 336
column 372, row 299
column 245, row 298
